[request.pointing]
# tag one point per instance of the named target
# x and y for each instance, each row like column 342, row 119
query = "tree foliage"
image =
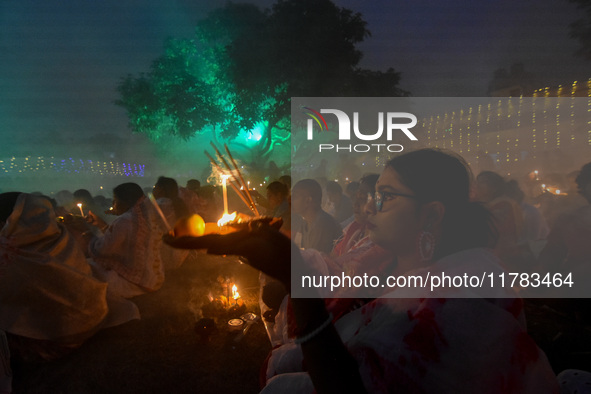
column 243, row 66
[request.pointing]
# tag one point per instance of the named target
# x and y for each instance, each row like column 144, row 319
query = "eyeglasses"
column 380, row 197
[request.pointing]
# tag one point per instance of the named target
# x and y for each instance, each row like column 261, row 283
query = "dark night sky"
column 61, row 61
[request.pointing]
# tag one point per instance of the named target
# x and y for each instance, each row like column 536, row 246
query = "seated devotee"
column 278, row 205
column 534, row 225
column 272, row 291
column 209, row 208
column 128, row 254
column 351, row 190
column 83, row 197
column 568, row 252
column 49, row 301
column 190, row 195
column 166, row 193
column 356, row 234
column 491, row 189
column 103, row 203
column 568, row 248
column 194, row 185
column 167, row 188
column 342, row 205
column 318, row 230
column 449, row 340
column 353, row 254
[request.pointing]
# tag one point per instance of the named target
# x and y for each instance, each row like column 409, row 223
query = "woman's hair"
column 495, row 181
column 312, row 187
column 436, row 175
column 512, row 190
column 83, row 196
column 370, row 180
column 170, row 189
column 352, row 188
column 128, row 193
column 193, row 185
column 278, row 188
column 333, row 188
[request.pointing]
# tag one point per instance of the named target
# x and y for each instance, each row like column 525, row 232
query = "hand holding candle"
column 80, row 207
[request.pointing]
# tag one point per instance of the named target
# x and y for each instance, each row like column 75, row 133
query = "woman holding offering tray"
column 411, row 340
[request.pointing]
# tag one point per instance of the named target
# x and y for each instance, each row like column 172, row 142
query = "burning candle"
column 225, row 190
column 224, row 220
column 235, row 294
column 80, row 207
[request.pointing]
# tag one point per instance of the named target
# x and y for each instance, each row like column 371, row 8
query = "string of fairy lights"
column 41, row 164
column 515, row 126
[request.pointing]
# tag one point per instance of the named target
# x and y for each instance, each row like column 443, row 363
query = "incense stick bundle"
column 229, row 170
column 242, row 179
column 240, row 182
column 240, row 194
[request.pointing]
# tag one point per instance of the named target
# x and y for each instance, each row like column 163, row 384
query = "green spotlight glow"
column 251, row 137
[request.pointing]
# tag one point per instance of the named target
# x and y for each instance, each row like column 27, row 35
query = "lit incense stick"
column 225, row 191
column 240, row 194
column 254, row 207
column 245, row 192
column 157, row 207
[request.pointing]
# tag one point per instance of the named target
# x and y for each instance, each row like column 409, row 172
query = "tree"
column 581, row 29
column 244, row 64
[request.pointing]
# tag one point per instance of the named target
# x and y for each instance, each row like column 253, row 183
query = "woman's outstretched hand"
column 265, row 248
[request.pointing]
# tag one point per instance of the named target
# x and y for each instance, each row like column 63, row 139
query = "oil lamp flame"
column 226, row 218
column 235, row 294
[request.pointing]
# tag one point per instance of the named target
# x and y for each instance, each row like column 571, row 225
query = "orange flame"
column 235, row 293
column 226, row 218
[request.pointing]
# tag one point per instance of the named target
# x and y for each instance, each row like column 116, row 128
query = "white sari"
column 432, row 345
column 47, row 291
